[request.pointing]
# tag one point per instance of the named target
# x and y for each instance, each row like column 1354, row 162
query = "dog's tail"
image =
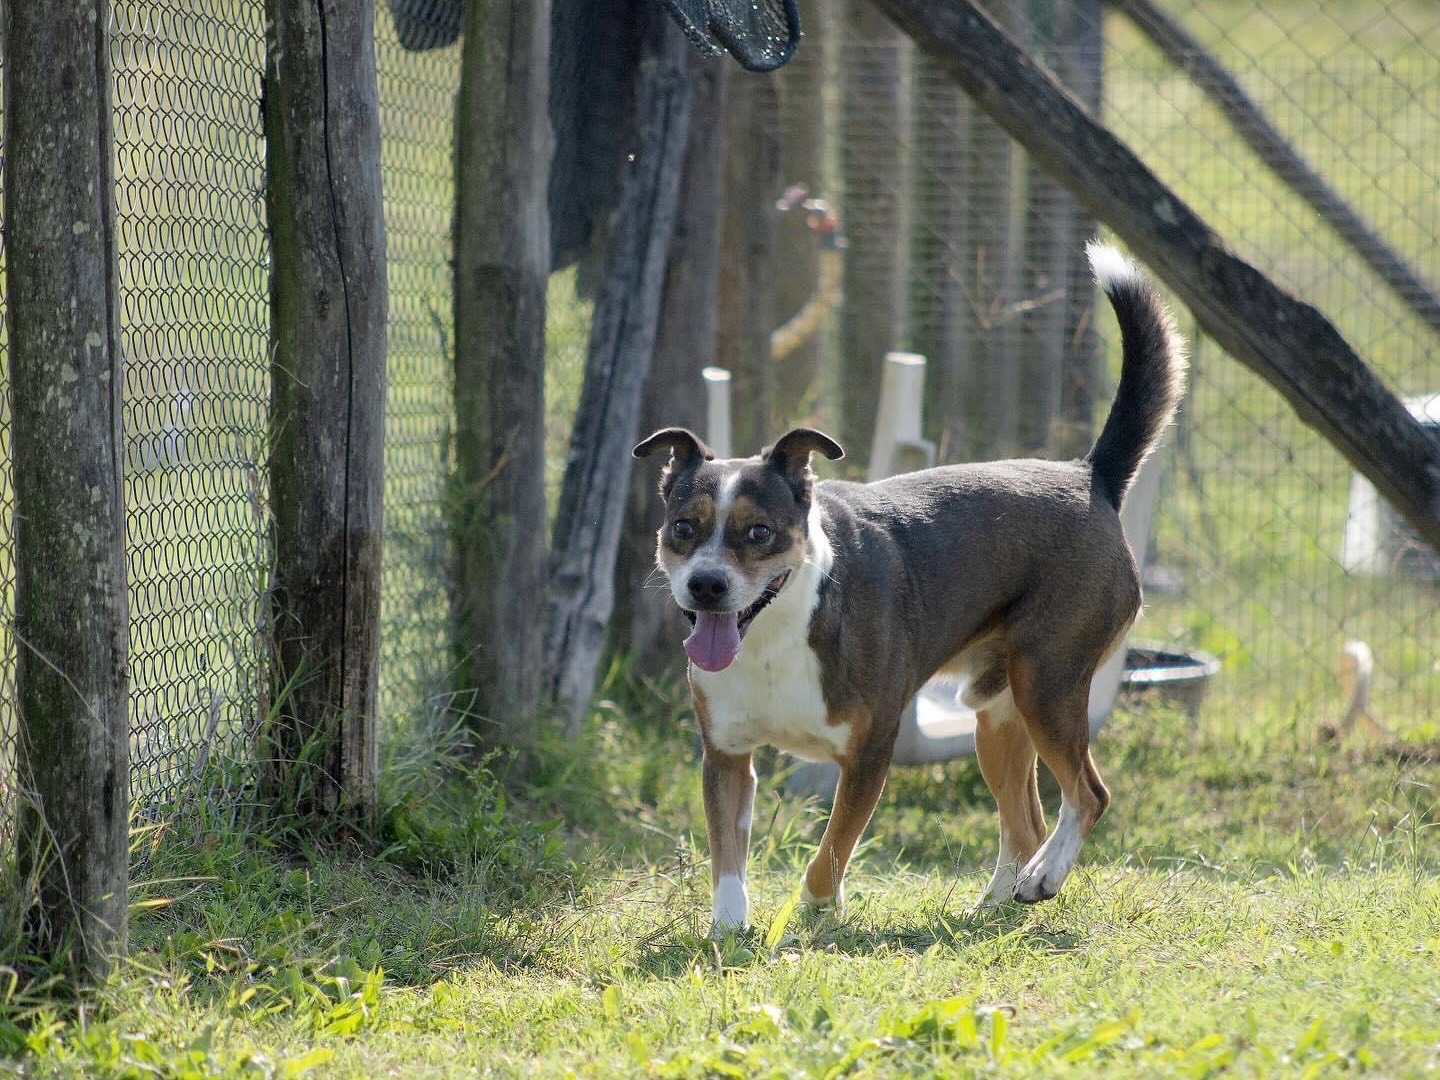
column 1152, row 372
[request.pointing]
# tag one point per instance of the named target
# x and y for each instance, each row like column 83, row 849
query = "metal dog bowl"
column 1156, row 674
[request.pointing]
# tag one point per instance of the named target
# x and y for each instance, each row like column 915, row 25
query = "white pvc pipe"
column 717, row 410
column 898, row 419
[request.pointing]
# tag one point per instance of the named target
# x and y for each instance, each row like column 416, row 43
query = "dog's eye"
column 683, row 529
column 758, row 534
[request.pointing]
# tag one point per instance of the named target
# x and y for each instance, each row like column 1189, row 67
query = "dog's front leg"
column 729, row 784
column 861, row 782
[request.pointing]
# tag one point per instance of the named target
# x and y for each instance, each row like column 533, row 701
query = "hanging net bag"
column 760, row 34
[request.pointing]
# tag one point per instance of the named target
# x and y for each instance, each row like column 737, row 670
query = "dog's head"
column 735, row 531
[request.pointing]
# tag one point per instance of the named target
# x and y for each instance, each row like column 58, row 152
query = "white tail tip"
column 1111, row 269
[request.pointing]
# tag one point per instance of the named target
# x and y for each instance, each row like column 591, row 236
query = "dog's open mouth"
column 715, row 641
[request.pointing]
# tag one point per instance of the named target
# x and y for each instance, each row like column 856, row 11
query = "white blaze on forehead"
column 724, row 501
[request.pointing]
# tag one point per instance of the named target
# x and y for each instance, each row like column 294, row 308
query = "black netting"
column 760, row 34
column 426, row 24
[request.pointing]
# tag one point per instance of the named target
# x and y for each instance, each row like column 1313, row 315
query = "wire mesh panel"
column 417, row 96
column 1251, row 536
column 1248, row 558
column 189, row 168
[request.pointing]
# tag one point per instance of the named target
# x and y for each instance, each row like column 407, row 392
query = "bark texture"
column 622, row 344
column 72, row 685
column 327, row 309
column 502, row 259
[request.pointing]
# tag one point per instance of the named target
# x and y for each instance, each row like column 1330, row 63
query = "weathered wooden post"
column 876, row 115
column 327, row 304
column 502, row 258
column 747, row 252
column 70, row 605
column 1060, row 360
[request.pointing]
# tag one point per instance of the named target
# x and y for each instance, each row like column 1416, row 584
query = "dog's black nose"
column 709, row 587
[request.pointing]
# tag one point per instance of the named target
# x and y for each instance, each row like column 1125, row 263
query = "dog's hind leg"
column 1007, row 761
column 729, row 788
column 861, row 781
column 1058, row 724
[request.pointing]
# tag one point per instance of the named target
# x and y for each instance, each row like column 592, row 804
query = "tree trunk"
column 1060, row 358
column 803, row 126
column 622, row 343
column 502, row 257
column 684, row 344
column 327, row 405
column 1287, row 343
column 996, row 190
column 876, row 113
column 946, row 328
column 72, row 764
column 748, row 311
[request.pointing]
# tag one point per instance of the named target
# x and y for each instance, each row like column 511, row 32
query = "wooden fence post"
column 327, row 304
column 751, row 131
column 876, row 121
column 502, row 258
column 70, row 605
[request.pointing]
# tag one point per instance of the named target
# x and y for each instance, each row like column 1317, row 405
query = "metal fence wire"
column 1266, row 552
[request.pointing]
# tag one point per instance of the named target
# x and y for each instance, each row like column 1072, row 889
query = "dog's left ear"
column 686, row 451
column 790, row 456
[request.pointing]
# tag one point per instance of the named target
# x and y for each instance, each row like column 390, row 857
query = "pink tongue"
column 715, row 641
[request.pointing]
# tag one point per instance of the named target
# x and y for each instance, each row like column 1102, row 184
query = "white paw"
column 820, row 903
column 1038, row 882
column 731, row 910
column 1001, row 888
column 1046, row 872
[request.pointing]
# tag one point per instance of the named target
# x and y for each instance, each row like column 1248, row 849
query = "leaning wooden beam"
column 65, row 367
column 327, row 401
column 648, row 624
column 1285, row 341
column 622, row 343
column 1261, row 136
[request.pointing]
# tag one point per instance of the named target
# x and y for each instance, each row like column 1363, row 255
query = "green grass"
column 1255, row 902
column 1268, row 911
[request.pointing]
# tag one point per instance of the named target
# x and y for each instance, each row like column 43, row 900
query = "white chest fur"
column 771, row 693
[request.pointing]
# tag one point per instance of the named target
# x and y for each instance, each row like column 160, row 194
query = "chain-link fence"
column 957, row 249
column 1266, row 552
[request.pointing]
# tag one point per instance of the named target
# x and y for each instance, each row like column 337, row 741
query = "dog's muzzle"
column 715, row 641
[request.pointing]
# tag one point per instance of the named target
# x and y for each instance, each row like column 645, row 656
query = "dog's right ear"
column 683, row 443
column 686, row 450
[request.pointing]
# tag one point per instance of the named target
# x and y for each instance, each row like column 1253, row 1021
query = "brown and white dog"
column 820, row 608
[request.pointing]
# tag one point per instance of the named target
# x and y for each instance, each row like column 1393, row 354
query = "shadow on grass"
column 674, row 951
